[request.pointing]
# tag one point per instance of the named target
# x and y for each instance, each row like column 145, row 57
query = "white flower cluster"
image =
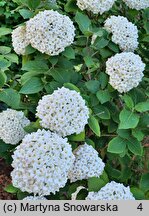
column 87, row 164
column 96, row 6
column 50, row 32
column 111, row 191
column 63, row 112
column 124, row 33
column 41, row 163
column 137, row 4
column 125, row 71
column 30, row 198
column 12, row 125
column 19, row 40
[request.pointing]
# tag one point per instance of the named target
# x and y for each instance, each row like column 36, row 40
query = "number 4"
column 140, row 207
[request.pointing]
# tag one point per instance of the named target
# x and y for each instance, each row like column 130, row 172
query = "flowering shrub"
column 74, row 98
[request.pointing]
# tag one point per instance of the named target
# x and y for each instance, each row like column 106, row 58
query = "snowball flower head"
column 41, row 163
column 50, row 32
column 112, row 191
column 63, row 112
column 137, row 4
column 125, row 70
column 96, row 6
column 124, row 33
column 87, row 164
column 30, row 198
column 19, row 40
column 12, row 125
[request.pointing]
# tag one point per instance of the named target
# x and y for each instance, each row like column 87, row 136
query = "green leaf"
column 4, row 64
column 32, row 86
column 77, row 137
column 25, row 13
column 95, row 184
column 12, row 57
column 11, row 189
column 94, row 125
column 117, row 145
column 144, row 183
column 4, row 147
column 100, row 43
column 128, row 119
column 5, row 50
column 3, row 79
column 37, row 66
column 61, row 75
column 33, row 4
column 10, row 97
column 71, row 6
column 102, row 112
column 69, row 53
column 83, row 21
column 134, row 146
column 103, row 96
column 128, row 101
column 143, row 106
column 92, row 86
column 137, row 133
column 51, row 86
column 137, row 193
column 88, row 61
column 71, row 87
column 4, row 31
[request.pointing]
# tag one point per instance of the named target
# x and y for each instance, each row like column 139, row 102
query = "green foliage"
column 118, row 123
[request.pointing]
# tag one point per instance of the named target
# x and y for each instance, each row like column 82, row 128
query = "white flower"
column 63, row 112
column 137, row 4
column 124, row 33
column 96, row 6
column 41, row 163
column 30, row 198
column 87, row 164
column 19, row 40
column 50, row 32
column 125, row 70
column 111, row 191
column 12, row 125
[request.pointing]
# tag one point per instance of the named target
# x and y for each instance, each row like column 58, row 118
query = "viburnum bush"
column 74, row 98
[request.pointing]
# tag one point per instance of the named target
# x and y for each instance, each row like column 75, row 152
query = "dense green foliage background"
column 118, row 124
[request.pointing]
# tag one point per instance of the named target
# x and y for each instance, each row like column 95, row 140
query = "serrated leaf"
column 95, row 184
column 143, row 106
column 77, row 137
column 3, row 79
column 37, row 66
column 61, row 75
column 83, row 21
column 92, row 86
column 128, row 101
column 69, row 53
column 5, row 31
column 71, row 87
column 11, row 189
column 10, row 97
column 134, row 146
column 117, row 145
column 128, row 119
column 5, row 50
column 144, row 183
column 32, row 86
column 12, row 57
column 103, row 96
column 94, row 125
